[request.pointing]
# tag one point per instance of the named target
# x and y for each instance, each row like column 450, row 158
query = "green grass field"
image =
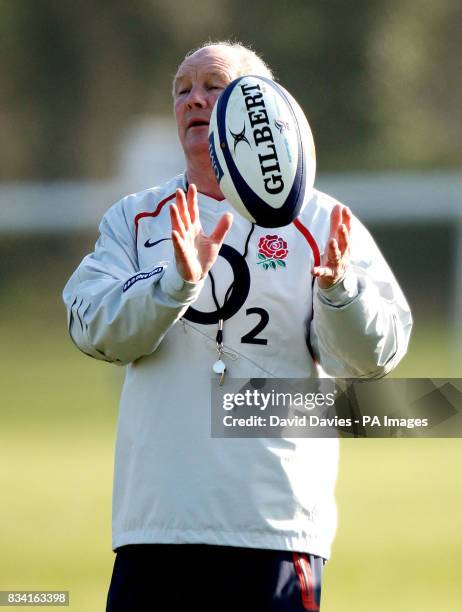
column 398, row 545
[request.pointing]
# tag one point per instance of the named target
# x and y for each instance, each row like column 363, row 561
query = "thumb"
column 222, row 228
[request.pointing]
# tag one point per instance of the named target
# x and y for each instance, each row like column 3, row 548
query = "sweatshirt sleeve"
column 117, row 312
column 361, row 326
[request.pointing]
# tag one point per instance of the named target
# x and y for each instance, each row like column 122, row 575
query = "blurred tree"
column 415, row 68
column 73, row 73
column 319, row 52
column 374, row 81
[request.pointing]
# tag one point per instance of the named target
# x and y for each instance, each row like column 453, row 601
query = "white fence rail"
column 390, row 198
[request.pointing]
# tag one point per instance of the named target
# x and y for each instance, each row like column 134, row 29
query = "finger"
column 179, row 247
column 183, row 208
column 180, row 253
column 222, row 228
column 333, row 252
column 335, row 220
column 343, row 239
column 178, row 243
column 346, row 217
column 193, row 207
column 177, row 223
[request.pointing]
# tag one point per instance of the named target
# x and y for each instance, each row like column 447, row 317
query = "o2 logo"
column 237, row 298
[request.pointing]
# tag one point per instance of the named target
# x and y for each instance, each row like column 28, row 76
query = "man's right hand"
column 195, row 253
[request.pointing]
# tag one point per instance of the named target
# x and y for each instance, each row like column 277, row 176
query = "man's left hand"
column 336, row 256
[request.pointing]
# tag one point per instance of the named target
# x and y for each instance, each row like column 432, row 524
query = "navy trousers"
column 148, row 577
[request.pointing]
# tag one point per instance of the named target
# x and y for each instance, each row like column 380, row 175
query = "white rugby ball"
column 262, row 151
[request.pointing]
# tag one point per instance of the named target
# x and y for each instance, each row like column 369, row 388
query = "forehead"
column 209, row 60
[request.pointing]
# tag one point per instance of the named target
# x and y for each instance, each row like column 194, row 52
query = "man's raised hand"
column 195, row 253
column 337, row 254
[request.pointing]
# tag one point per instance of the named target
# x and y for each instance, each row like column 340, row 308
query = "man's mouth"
column 198, row 123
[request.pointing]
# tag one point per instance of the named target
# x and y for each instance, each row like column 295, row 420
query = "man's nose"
column 197, row 98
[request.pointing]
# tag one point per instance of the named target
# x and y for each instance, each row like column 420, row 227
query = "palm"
column 195, row 253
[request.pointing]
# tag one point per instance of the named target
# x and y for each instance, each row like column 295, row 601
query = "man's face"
column 198, row 83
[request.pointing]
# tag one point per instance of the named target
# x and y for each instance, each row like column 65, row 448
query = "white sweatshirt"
column 173, row 482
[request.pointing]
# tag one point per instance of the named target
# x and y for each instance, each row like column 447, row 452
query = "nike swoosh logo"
column 148, row 243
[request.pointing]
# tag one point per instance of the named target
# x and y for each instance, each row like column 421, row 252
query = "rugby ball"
column 262, row 151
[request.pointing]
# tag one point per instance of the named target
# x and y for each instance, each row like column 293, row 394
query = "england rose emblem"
column 272, row 250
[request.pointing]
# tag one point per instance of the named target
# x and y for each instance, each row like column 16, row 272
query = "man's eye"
column 183, row 91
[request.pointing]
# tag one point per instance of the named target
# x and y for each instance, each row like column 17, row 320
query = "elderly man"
column 201, row 521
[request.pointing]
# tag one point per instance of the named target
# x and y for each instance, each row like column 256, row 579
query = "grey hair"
column 249, row 62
